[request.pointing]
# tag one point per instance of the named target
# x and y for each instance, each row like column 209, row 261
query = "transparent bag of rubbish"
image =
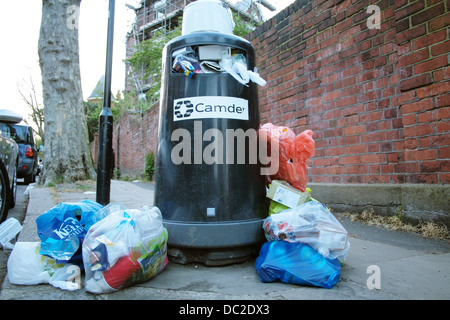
column 126, row 247
column 311, row 223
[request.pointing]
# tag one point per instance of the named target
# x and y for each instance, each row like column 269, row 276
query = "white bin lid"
column 207, row 15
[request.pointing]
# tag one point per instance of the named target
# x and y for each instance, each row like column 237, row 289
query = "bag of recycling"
column 62, row 229
column 126, row 247
column 296, row 263
column 27, row 267
column 293, row 152
column 310, row 223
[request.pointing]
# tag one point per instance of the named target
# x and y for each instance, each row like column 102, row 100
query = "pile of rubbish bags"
column 306, row 244
column 193, row 60
column 118, row 247
column 115, row 246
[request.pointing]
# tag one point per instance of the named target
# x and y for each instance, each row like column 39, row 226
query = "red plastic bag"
column 293, row 152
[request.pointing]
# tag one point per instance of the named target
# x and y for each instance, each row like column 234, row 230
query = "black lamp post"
column 105, row 156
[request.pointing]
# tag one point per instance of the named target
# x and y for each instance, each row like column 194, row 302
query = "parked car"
column 28, row 157
column 9, row 160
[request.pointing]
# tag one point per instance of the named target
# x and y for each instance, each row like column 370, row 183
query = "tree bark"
column 67, row 156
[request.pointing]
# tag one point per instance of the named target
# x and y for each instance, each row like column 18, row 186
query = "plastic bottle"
column 296, row 263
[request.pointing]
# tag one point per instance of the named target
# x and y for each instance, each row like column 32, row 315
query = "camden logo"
column 188, row 109
column 206, row 107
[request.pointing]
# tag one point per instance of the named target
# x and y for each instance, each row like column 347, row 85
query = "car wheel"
column 5, row 196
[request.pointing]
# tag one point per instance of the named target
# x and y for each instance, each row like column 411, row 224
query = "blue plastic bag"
column 63, row 228
column 296, row 263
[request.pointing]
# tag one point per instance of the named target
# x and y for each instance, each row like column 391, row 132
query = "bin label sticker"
column 207, row 107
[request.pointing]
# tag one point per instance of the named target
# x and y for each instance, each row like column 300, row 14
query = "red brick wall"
column 376, row 99
column 134, row 135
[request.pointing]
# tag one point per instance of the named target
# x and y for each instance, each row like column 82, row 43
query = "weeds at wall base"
column 426, row 229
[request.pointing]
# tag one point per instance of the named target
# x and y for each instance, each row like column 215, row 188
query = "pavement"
column 403, row 265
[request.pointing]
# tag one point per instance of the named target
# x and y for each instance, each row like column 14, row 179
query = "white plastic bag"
column 237, row 68
column 27, row 267
column 8, row 232
column 256, row 78
column 126, row 247
column 310, row 223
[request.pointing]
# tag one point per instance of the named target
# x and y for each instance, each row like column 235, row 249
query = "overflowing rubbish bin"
column 207, row 182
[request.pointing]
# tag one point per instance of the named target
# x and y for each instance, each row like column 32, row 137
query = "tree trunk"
column 66, row 154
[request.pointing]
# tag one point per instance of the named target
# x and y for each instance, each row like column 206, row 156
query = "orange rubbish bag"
column 293, row 152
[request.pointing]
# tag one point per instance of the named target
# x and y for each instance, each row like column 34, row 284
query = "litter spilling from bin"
column 202, row 205
column 116, row 247
column 212, row 16
column 193, row 60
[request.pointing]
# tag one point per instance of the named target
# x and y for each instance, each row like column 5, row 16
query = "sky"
column 19, row 36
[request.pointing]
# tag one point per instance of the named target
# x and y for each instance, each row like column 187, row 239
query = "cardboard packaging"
column 281, row 192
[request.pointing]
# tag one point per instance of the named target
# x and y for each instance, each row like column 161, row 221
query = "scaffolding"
column 151, row 16
column 162, row 15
